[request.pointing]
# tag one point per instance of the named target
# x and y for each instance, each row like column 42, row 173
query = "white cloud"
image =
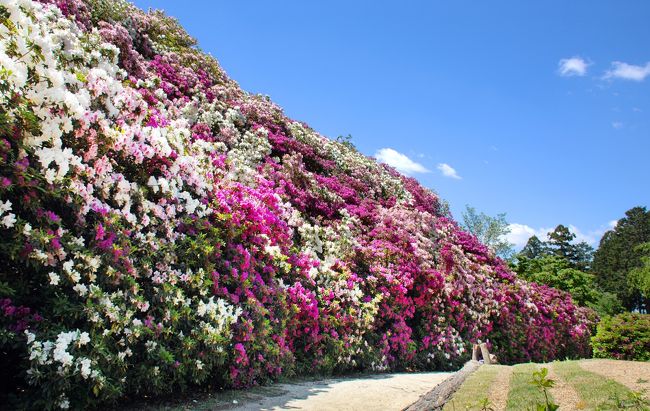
column 448, row 171
column 574, row 66
column 617, row 124
column 626, row 71
column 591, row 238
column 400, row 161
column 520, row 233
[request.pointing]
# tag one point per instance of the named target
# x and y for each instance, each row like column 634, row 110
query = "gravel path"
column 634, row 375
column 563, row 393
column 498, row 393
column 377, row 392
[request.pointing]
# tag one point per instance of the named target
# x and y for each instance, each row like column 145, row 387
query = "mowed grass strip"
column 523, row 395
column 594, row 389
column 474, row 389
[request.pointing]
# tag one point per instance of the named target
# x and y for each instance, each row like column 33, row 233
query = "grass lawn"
column 594, row 389
column 523, row 395
column 474, row 389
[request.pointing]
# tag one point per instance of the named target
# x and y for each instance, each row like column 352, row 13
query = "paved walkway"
column 376, row 392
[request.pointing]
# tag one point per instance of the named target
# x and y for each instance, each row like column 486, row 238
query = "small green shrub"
column 634, row 400
column 623, row 337
column 543, row 383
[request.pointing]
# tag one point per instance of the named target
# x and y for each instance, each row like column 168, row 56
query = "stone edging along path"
column 435, row 399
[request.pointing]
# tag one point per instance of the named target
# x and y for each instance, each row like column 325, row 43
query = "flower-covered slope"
column 162, row 229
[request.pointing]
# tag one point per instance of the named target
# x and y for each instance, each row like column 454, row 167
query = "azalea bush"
column 623, row 337
column 163, row 229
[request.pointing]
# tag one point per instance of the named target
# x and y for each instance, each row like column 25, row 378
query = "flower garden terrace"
column 164, row 229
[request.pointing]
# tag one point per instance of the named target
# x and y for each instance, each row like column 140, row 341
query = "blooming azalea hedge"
column 163, row 229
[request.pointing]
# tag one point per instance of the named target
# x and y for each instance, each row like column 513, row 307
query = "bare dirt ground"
column 376, row 392
column 498, row 393
column 563, row 393
column 632, row 374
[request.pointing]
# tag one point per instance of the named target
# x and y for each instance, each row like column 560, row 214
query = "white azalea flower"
column 84, row 338
column 9, row 220
column 85, row 368
column 54, row 278
column 4, row 207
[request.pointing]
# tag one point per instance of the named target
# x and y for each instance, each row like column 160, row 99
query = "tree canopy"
column 565, row 264
column 557, row 272
column 639, row 277
column 491, row 231
column 561, row 243
column 534, row 248
column 619, row 255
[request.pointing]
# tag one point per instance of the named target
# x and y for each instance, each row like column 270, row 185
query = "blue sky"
column 536, row 109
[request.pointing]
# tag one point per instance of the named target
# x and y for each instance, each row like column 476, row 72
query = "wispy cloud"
column 617, row 124
column 625, row 71
column 401, row 162
column 448, row 171
column 574, row 66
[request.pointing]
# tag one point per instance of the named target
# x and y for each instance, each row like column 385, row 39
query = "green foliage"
column 618, row 255
column 534, row 248
column 607, row 304
column 639, row 277
column 563, row 264
column 484, row 404
column 489, row 230
column 623, row 337
column 561, row 243
column 556, row 272
column 543, row 383
column 346, row 141
column 110, row 11
column 633, row 400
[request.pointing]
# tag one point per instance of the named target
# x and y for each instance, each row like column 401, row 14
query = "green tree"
column 561, row 243
column 639, row 277
column 346, row 141
column 618, row 255
column 607, row 304
column 557, row 272
column 533, row 249
column 491, row 231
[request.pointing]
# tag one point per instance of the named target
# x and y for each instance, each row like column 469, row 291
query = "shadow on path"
column 364, row 392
